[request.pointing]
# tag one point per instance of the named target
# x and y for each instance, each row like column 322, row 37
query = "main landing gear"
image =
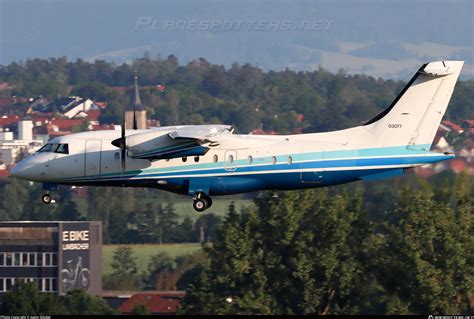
column 201, row 202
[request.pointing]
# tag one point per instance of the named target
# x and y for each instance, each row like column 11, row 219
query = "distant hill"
column 382, row 39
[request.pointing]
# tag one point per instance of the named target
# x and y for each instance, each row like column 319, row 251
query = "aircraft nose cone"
column 18, row 170
column 23, row 170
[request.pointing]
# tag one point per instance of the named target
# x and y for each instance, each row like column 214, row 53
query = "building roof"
column 102, row 127
column 11, row 119
column 93, row 115
column 453, row 126
column 156, row 302
column 5, row 86
column 66, row 124
column 470, row 123
column 4, row 173
column 6, row 101
column 457, row 165
column 102, row 105
column 262, row 132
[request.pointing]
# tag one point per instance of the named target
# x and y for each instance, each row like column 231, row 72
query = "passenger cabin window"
column 250, row 159
column 196, row 159
column 216, row 158
column 274, row 160
column 231, row 158
column 55, row 148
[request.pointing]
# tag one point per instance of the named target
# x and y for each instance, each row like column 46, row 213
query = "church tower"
column 140, row 114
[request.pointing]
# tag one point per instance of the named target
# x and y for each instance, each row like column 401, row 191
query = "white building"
column 79, row 108
column 10, row 150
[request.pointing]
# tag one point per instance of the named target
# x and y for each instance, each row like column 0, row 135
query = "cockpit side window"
column 63, row 149
column 55, row 148
column 46, row 148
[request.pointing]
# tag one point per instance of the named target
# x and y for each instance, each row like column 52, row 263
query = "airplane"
column 210, row 160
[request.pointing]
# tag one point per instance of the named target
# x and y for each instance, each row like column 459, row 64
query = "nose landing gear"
column 47, row 199
column 201, row 202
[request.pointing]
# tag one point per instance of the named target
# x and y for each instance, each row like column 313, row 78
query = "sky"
column 380, row 38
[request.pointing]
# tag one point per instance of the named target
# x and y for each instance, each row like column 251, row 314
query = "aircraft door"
column 230, row 160
column 92, row 158
column 312, row 168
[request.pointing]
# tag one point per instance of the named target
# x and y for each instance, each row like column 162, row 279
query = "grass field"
column 145, row 252
column 219, row 207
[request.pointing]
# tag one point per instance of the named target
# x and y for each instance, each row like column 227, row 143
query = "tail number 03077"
column 394, row 126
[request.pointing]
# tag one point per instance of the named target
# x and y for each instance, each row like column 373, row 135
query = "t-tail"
column 414, row 116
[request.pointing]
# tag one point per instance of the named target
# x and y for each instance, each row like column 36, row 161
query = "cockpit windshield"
column 55, row 148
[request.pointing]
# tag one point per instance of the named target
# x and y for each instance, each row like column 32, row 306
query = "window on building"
column 2, row 284
column 39, row 259
column 24, row 259
column 16, row 259
column 39, row 284
column 54, row 257
column 2, row 259
column 54, row 284
column 47, row 284
column 9, row 259
column 9, row 282
column 32, row 259
column 47, row 259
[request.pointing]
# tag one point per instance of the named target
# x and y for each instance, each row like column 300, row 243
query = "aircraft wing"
column 190, row 140
column 202, row 133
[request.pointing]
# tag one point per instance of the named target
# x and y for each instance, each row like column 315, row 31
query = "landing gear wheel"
column 209, row 201
column 200, row 204
column 46, row 198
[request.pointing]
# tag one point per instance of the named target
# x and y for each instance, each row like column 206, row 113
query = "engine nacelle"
column 158, row 145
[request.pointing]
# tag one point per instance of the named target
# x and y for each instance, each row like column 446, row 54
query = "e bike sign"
column 74, row 268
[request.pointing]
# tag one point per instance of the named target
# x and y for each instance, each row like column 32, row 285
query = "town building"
column 136, row 109
column 157, row 302
column 57, row 256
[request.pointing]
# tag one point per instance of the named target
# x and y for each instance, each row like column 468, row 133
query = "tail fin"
column 414, row 116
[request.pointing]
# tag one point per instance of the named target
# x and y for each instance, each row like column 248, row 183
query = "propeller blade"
column 122, row 147
column 135, row 126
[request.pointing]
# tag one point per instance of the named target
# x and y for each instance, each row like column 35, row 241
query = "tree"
column 297, row 254
column 161, row 274
column 424, row 257
column 79, row 302
column 124, row 265
column 24, row 299
column 140, row 310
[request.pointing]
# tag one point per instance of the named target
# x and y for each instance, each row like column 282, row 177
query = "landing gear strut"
column 47, row 199
column 201, row 202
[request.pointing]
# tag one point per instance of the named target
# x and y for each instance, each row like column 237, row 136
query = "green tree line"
column 242, row 95
column 321, row 252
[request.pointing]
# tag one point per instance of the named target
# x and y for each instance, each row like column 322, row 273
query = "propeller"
column 121, row 143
